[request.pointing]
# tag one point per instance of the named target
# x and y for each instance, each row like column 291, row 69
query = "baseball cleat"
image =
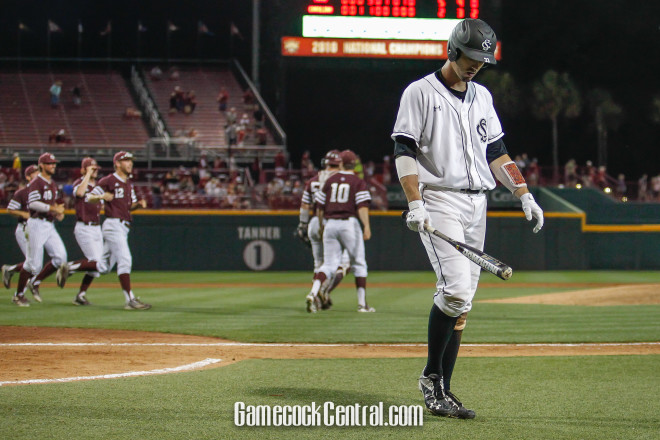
column 34, row 290
column 136, row 304
column 81, row 301
column 366, row 309
column 439, row 402
column 62, row 274
column 20, row 301
column 6, row 276
column 311, row 303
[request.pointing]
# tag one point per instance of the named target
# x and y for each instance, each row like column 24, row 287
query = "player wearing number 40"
column 449, row 150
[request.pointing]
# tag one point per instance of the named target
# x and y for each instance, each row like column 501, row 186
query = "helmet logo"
column 486, row 44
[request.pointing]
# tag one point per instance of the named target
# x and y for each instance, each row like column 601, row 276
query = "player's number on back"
column 340, row 192
column 119, row 193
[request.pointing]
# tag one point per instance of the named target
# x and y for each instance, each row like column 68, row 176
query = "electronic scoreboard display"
column 396, row 8
column 415, row 29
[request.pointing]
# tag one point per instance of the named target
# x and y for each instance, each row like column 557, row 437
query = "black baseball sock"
column 441, row 328
column 449, row 358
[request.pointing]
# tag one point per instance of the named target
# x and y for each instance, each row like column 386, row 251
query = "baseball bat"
column 482, row 259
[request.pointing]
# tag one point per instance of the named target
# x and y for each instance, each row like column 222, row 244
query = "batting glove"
column 532, row 210
column 417, row 216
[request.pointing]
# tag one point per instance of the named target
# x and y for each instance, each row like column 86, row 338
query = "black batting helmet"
column 474, row 38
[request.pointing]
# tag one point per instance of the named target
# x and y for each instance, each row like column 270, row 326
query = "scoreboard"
column 396, row 8
column 413, row 29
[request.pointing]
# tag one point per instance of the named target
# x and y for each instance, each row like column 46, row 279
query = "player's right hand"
column 417, row 216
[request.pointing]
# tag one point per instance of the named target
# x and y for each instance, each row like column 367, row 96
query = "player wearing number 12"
column 448, row 149
column 343, row 198
column 118, row 222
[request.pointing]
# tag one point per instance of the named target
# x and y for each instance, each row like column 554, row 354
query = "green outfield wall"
column 264, row 241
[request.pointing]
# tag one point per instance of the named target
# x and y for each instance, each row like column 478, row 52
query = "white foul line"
column 188, row 367
column 250, row 344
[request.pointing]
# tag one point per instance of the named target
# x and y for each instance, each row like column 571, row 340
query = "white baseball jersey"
column 452, row 136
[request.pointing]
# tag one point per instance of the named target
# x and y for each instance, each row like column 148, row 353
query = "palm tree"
column 506, row 93
column 607, row 116
column 555, row 95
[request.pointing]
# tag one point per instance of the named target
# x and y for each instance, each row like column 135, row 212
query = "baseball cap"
column 47, row 158
column 122, row 155
column 29, row 170
column 332, row 158
column 88, row 161
column 348, row 158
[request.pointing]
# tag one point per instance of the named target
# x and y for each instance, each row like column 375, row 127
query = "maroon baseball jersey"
column 86, row 212
column 313, row 185
column 19, row 202
column 124, row 196
column 342, row 195
column 41, row 190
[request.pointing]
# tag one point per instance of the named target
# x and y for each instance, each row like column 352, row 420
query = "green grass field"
column 582, row 397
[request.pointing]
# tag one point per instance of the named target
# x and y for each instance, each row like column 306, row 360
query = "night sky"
column 334, row 103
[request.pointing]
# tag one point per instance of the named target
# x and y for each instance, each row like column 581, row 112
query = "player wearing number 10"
column 343, row 198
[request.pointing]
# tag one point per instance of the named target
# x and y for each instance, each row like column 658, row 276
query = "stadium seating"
column 26, row 116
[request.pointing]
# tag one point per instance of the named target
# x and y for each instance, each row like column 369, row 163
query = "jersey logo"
column 437, row 108
column 481, row 130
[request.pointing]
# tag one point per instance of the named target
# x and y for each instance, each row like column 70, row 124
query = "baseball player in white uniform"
column 18, row 207
column 310, row 228
column 88, row 229
column 448, row 147
column 45, row 203
column 343, row 199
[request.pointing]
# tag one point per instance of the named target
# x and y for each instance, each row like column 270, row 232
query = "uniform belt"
column 458, row 190
column 89, row 223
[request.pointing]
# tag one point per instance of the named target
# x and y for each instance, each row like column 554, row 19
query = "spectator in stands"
column 16, row 164
column 58, row 137
column 132, row 113
column 189, row 102
column 655, row 188
column 174, row 74
column 55, row 91
column 359, row 169
column 570, row 173
column 186, row 183
column 259, row 118
column 533, row 173
column 588, row 175
column 261, row 136
column 642, row 188
column 621, row 187
column 170, row 182
column 520, row 163
column 156, row 74
column 231, row 133
column 248, row 97
column 212, row 187
column 369, row 169
column 280, row 162
column 600, row 179
column 223, row 99
column 219, row 164
column 232, row 116
column 176, row 100
column 156, row 196
column 243, row 127
column 233, row 168
column 387, row 170
column 76, row 95
column 255, row 169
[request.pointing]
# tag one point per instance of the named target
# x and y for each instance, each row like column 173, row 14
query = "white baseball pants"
column 115, row 248
column 463, row 218
column 340, row 235
column 43, row 235
column 313, row 232
column 90, row 240
column 21, row 237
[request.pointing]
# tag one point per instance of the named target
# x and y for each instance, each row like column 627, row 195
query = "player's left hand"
column 142, row 203
column 532, row 210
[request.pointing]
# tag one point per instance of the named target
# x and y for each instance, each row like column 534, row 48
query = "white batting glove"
column 417, row 216
column 532, row 209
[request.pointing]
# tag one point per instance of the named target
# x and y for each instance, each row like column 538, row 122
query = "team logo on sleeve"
column 481, row 130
